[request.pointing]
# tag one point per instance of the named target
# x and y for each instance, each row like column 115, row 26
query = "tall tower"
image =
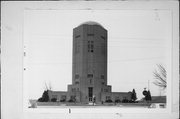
column 89, row 70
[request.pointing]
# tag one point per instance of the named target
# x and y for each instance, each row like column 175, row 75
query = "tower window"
column 90, row 75
column 90, row 46
column 103, row 37
column 73, row 89
column 103, row 48
column 76, row 76
column 77, row 82
column 77, row 48
column 105, row 90
column 90, row 34
column 102, row 76
column 90, row 81
column 77, row 36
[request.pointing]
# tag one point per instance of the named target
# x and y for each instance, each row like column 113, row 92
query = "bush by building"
column 41, row 100
column 63, row 100
column 117, row 101
column 125, row 100
column 53, row 99
column 109, row 101
column 133, row 96
column 45, row 97
column 71, row 100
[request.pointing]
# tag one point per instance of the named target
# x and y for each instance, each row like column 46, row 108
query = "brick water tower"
column 89, row 69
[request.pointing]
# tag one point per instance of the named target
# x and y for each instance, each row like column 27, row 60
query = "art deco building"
column 89, row 68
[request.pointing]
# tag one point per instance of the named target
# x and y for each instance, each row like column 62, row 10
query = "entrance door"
column 90, row 93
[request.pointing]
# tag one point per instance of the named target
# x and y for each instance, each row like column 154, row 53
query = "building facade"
column 89, row 68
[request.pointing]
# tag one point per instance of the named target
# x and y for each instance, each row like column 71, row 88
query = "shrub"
column 63, row 100
column 40, row 100
column 125, row 101
column 131, row 101
column 109, row 101
column 117, row 101
column 53, row 100
column 45, row 97
column 133, row 95
column 71, row 100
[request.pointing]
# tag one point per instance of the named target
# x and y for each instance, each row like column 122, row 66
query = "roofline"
column 91, row 23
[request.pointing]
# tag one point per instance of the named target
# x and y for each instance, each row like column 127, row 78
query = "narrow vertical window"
column 77, row 76
column 77, row 48
column 102, row 76
column 103, row 48
column 90, row 81
column 90, row 46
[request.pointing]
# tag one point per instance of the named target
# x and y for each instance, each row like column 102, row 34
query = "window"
column 63, row 97
column 103, row 37
column 90, row 46
column 105, row 90
column 73, row 90
column 54, row 96
column 90, row 34
column 77, row 82
column 77, row 48
column 90, row 81
column 108, row 98
column 77, row 36
column 102, row 76
column 77, row 76
column 116, row 98
column 103, row 48
column 90, row 75
column 73, row 97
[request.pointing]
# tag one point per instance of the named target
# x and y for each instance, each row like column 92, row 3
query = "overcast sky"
column 137, row 41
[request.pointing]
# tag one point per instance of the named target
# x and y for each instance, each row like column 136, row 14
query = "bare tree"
column 160, row 76
column 45, row 86
column 48, row 87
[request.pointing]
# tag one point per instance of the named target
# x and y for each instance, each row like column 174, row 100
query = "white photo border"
column 12, row 25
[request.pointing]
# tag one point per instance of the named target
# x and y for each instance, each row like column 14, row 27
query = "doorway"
column 90, row 93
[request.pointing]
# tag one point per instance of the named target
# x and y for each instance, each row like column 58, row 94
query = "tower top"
column 91, row 23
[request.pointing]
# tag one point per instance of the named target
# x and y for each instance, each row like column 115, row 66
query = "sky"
column 137, row 41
